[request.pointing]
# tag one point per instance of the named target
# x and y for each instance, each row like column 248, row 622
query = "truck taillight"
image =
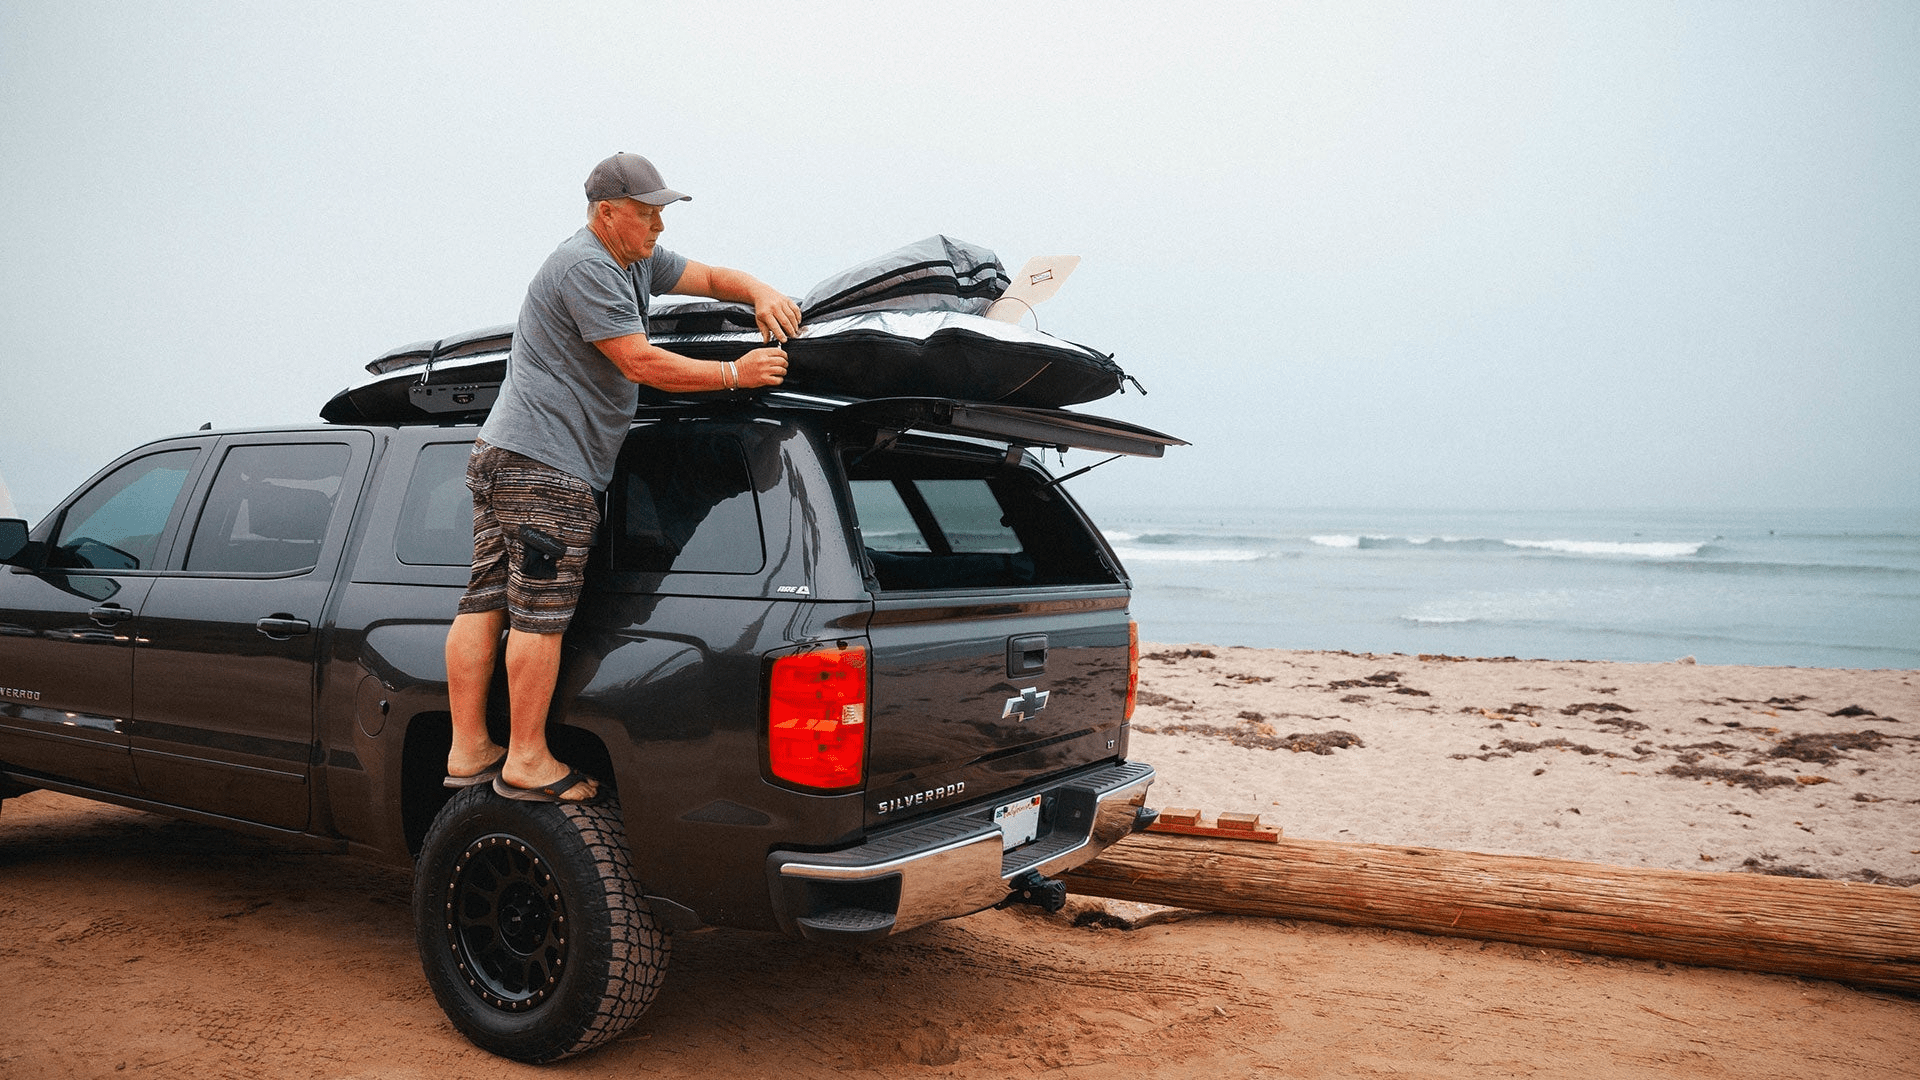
column 817, row 718
column 1133, row 668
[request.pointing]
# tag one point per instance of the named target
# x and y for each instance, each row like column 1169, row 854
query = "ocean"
column 1792, row 588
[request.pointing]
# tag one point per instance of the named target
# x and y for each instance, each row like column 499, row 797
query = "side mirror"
column 13, row 539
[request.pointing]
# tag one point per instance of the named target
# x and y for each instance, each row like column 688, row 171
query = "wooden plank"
column 1186, row 822
column 1868, row 935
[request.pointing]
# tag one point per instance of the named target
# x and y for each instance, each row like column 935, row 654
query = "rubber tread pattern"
column 637, row 966
column 586, row 846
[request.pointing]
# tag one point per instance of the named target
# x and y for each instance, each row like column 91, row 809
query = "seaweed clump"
column 1255, row 735
column 1746, row 778
column 1825, row 749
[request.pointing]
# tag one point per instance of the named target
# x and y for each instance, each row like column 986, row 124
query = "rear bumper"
column 953, row 864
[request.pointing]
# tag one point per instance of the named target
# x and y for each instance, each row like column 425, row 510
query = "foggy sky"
column 1457, row 255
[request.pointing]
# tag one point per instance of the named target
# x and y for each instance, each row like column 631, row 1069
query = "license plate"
column 1019, row 822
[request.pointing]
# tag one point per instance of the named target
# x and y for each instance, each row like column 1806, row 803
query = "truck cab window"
column 885, row 522
column 969, row 516
column 117, row 524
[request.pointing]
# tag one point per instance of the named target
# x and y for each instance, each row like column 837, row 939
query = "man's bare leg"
column 533, row 667
column 473, row 646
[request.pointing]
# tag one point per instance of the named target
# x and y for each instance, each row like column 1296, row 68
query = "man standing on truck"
column 548, row 449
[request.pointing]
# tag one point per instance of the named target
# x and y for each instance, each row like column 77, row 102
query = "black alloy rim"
column 506, row 923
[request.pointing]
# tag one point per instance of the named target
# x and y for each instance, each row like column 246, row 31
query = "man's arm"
column 643, row 362
column 776, row 314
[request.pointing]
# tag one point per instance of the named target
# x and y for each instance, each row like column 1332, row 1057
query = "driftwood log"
column 1867, row 935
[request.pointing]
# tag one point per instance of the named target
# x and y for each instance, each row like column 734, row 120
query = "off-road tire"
column 532, row 930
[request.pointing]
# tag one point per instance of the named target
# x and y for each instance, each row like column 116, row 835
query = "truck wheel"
column 531, row 929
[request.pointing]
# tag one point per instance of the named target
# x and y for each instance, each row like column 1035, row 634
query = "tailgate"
column 973, row 699
column 999, row 632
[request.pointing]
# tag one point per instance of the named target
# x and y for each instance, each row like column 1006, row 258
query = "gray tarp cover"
column 935, row 274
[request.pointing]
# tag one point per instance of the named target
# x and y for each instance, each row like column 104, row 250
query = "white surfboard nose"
column 1038, row 280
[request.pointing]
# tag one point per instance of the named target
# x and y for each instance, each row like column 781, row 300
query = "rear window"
column 270, row 509
column 938, row 523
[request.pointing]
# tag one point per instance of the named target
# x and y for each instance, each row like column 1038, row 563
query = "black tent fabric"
column 923, row 353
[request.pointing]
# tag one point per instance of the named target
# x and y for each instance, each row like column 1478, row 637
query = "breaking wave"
column 1645, row 549
column 1148, row 553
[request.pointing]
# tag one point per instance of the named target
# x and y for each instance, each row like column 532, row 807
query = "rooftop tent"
column 910, row 323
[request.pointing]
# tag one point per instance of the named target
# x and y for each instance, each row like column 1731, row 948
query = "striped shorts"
column 511, row 491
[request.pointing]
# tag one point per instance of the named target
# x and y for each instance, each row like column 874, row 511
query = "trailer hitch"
column 1033, row 887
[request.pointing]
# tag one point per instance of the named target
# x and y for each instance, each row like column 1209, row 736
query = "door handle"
column 282, row 627
column 110, row 614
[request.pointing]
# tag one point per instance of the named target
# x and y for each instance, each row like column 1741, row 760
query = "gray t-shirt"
column 563, row 402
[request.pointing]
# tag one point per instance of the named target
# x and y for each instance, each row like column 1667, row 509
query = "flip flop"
column 549, row 793
column 484, row 776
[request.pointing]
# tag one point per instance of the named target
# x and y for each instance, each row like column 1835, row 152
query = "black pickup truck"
column 843, row 668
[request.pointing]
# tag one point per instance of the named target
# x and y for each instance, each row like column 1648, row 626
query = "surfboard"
column 1037, row 281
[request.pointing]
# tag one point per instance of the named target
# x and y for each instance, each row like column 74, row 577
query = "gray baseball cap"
column 630, row 176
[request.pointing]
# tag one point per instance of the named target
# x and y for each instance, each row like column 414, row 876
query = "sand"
column 1781, row 770
column 139, row 946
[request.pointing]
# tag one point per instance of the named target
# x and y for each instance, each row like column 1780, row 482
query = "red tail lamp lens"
column 817, row 718
column 1133, row 668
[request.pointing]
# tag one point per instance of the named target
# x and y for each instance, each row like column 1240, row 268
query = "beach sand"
column 140, row 946
column 1808, row 771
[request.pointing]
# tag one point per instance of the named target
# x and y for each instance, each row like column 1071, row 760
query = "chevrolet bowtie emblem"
column 1030, row 702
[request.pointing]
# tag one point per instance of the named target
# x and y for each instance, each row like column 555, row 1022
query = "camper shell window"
column 682, row 501
column 967, row 521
